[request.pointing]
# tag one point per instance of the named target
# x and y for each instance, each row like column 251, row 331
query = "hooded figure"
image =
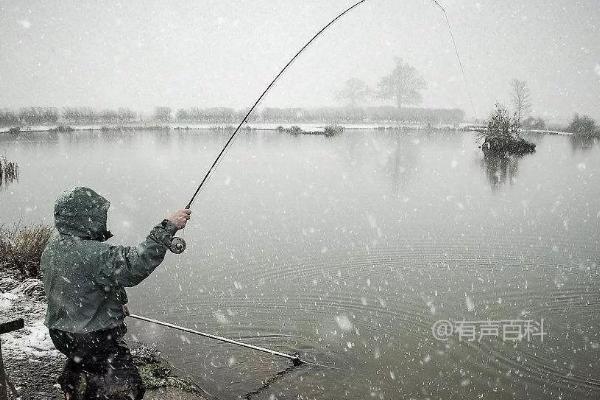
column 85, row 279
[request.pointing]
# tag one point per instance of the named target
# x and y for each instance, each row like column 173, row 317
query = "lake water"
column 348, row 250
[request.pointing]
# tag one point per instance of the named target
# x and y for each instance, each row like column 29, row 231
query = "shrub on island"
column 501, row 136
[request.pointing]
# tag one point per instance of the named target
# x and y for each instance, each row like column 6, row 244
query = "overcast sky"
column 142, row 54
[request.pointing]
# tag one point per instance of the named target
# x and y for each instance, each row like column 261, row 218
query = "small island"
column 501, row 136
column 509, row 145
column 328, row 131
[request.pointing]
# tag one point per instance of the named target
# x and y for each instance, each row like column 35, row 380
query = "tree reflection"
column 9, row 171
column 500, row 169
column 582, row 142
column 401, row 162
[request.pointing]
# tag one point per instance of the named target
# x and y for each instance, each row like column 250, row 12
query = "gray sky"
column 142, row 54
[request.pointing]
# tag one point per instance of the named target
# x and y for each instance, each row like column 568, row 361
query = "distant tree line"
column 91, row 116
column 29, row 116
column 215, row 115
column 323, row 114
column 227, row 115
column 74, row 115
column 365, row 114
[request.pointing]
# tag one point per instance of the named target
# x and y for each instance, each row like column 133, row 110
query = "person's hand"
column 180, row 218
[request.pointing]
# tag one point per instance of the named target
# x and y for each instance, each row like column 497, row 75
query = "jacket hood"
column 83, row 213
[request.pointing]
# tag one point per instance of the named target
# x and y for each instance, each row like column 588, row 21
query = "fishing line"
column 270, row 381
column 462, row 68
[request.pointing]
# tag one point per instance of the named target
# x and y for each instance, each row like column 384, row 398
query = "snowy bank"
column 33, row 364
column 261, row 126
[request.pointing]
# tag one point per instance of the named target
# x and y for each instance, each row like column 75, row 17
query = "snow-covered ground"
column 33, row 364
column 30, row 359
column 20, row 302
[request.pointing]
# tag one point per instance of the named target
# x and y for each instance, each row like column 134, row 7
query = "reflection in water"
column 9, row 171
column 401, row 164
column 395, row 155
column 579, row 142
column 500, row 169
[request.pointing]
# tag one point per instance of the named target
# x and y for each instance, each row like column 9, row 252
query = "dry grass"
column 21, row 248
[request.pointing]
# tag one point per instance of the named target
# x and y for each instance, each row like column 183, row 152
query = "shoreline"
column 33, row 364
column 306, row 127
column 262, row 126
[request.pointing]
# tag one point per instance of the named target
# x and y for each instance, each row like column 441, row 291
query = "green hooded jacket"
column 84, row 277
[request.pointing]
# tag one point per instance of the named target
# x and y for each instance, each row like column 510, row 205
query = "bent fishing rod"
column 178, row 245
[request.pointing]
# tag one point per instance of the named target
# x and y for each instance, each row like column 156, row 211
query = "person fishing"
column 85, row 279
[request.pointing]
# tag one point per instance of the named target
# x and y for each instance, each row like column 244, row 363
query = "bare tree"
column 521, row 98
column 403, row 85
column 354, row 92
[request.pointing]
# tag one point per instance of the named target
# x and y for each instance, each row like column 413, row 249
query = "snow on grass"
column 6, row 300
column 33, row 341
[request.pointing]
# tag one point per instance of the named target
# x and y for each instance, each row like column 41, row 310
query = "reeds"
column 21, row 248
column 9, row 171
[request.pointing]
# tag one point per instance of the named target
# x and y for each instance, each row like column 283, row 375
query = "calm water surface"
column 347, row 250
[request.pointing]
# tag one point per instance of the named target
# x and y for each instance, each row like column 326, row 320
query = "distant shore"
column 307, row 127
column 217, row 126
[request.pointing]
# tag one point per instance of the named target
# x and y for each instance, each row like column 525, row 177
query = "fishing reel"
column 177, row 245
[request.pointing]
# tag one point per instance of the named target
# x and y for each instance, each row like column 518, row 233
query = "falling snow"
column 344, row 323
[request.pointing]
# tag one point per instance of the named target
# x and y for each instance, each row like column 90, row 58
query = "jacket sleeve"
column 128, row 266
